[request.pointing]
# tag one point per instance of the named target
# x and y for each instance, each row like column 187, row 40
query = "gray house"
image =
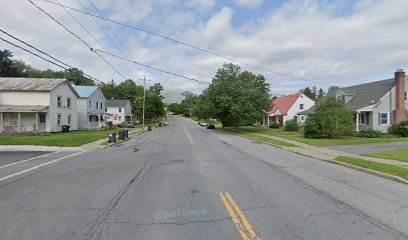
column 376, row 105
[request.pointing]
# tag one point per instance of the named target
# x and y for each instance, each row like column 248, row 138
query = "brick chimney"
column 400, row 111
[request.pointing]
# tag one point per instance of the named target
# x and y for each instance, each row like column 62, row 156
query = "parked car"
column 126, row 124
column 210, row 126
column 203, row 124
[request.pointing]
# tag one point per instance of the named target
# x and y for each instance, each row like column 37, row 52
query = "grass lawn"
column 296, row 136
column 71, row 139
column 400, row 155
column 260, row 138
column 381, row 167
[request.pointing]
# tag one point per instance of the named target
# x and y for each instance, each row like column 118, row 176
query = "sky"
column 324, row 43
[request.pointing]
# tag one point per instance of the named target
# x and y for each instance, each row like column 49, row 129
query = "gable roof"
column 367, row 94
column 284, row 103
column 116, row 103
column 363, row 95
column 29, row 84
column 85, row 91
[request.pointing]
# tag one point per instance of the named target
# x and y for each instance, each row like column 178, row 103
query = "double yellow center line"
column 238, row 218
column 190, row 139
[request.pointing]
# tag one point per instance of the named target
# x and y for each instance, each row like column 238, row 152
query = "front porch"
column 363, row 120
column 274, row 119
column 23, row 119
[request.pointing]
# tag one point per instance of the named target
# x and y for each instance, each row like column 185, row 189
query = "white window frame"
column 97, row 105
column 301, row 106
column 69, row 102
column 42, row 118
column 365, row 118
column 90, row 104
column 59, row 119
column 302, row 117
column 59, row 101
column 381, row 118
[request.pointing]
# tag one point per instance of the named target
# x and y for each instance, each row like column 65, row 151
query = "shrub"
column 312, row 128
column 400, row 129
column 256, row 124
column 291, row 125
column 370, row 133
column 274, row 125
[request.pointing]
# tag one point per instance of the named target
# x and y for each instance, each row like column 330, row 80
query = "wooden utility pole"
column 144, row 98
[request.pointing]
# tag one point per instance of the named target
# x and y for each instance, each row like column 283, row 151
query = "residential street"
column 183, row 181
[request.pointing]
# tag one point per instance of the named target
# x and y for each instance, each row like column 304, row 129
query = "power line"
column 180, row 42
column 77, row 36
column 48, row 55
column 151, row 67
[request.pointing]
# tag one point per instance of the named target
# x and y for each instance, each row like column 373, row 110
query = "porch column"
column 36, row 121
column 268, row 120
column 1, row 121
column 357, row 121
column 19, row 122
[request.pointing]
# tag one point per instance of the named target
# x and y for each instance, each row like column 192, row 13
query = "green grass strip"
column 400, row 155
column 380, row 167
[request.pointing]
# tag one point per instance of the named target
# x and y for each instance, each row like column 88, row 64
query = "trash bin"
column 160, row 124
column 65, row 128
column 112, row 137
column 126, row 133
column 122, row 135
column 149, row 128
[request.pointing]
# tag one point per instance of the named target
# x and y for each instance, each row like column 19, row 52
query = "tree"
column 154, row 107
column 321, row 94
column 236, row 97
column 308, row 92
column 174, row 107
column 129, row 90
column 330, row 119
column 202, row 109
column 156, row 89
column 187, row 104
column 77, row 77
column 7, row 69
column 109, row 90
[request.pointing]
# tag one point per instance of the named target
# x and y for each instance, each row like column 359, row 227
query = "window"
column 97, row 105
column 120, row 118
column 302, row 118
column 101, row 106
column 120, row 109
column 364, row 118
column 106, row 109
column 69, row 119
column 295, row 118
column 59, row 101
column 301, row 106
column 384, row 118
column 69, row 102
column 59, row 119
column 90, row 104
column 41, row 118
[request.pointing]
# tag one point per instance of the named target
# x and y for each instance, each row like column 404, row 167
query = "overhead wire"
column 77, row 36
column 182, row 43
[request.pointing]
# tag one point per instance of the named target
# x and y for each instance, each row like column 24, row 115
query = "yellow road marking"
column 243, row 218
column 234, row 217
column 190, row 139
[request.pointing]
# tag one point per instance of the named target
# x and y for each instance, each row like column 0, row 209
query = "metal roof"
column 116, row 103
column 85, row 91
column 23, row 108
column 29, row 84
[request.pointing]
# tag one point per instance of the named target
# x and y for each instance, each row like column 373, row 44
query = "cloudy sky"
column 327, row 42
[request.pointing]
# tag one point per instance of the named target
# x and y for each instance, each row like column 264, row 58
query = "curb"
column 357, row 168
column 126, row 139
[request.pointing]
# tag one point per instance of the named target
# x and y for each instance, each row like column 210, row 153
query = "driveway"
column 370, row 148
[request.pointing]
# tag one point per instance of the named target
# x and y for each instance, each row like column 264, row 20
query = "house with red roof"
column 287, row 107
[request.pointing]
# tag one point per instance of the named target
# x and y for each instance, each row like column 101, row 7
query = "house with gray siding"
column 91, row 107
column 375, row 105
column 37, row 105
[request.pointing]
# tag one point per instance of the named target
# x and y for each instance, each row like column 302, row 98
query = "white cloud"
column 249, row 3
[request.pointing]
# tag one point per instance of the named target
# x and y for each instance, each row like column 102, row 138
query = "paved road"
column 186, row 182
column 10, row 157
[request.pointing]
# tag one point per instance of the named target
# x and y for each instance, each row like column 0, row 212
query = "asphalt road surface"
column 186, row 182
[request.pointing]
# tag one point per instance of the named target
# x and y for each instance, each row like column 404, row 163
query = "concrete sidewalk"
column 328, row 154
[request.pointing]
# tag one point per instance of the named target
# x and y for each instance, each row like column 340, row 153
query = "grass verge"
column 400, row 155
column 380, row 167
column 260, row 138
column 71, row 139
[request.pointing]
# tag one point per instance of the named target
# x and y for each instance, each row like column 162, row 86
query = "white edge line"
column 38, row 166
column 22, row 161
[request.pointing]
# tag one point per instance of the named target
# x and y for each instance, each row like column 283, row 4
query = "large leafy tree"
column 175, row 108
column 236, row 97
column 7, row 68
column 188, row 103
column 156, row 89
column 154, row 107
column 77, row 76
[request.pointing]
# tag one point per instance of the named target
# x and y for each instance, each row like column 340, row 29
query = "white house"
column 120, row 110
column 375, row 105
column 287, row 107
column 91, row 107
column 37, row 105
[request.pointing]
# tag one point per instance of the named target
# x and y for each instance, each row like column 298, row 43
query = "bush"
column 291, row 125
column 312, row 128
column 274, row 125
column 370, row 133
column 256, row 124
column 400, row 129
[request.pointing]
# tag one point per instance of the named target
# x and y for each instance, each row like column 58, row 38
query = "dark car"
column 210, row 126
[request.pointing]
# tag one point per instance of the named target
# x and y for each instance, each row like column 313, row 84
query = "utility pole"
column 144, row 99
